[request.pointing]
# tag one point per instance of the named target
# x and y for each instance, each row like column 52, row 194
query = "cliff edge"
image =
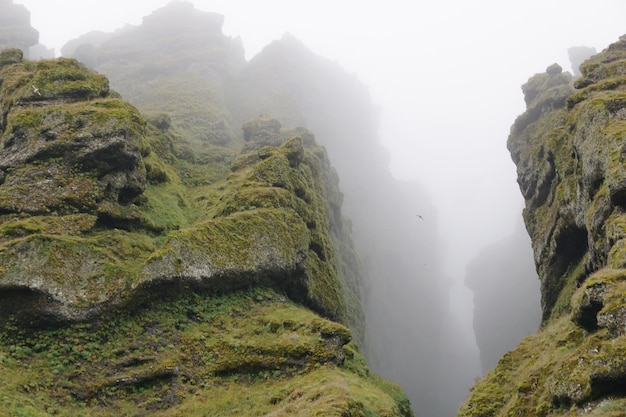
column 569, row 148
column 144, row 273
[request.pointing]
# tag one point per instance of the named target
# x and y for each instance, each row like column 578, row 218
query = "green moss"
column 574, row 364
column 66, row 78
column 20, row 226
column 201, row 226
column 561, row 367
column 194, row 355
column 60, row 80
column 570, row 281
column 43, row 188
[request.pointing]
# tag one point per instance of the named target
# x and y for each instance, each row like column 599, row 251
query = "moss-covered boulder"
column 571, row 161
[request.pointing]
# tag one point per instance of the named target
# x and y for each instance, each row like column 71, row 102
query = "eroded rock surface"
column 74, row 176
column 570, row 151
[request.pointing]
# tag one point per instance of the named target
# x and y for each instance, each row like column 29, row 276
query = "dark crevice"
column 319, row 251
column 617, row 194
column 587, row 314
column 300, row 193
column 605, row 386
column 128, row 194
column 107, row 221
column 571, row 244
column 595, row 186
column 28, row 307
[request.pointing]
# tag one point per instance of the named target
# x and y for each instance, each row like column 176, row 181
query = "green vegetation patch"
column 574, row 362
column 61, row 79
column 47, row 188
column 244, row 354
column 68, row 79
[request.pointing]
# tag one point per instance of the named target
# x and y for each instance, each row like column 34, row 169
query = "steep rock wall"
column 72, row 152
column 570, row 151
column 127, row 281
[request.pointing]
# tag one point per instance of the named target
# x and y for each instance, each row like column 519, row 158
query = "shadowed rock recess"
column 147, row 272
column 570, row 150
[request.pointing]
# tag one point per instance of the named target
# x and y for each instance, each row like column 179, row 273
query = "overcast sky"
column 446, row 75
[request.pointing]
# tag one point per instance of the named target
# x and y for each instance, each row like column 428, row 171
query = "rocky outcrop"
column 269, row 226
column 70, row 162
column 573, row 179
column 72, row 155
column 112, row 228
column 570, row 154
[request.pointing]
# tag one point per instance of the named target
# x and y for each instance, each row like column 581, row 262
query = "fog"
column 444, row 79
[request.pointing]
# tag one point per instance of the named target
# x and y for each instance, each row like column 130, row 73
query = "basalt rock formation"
column 146, row 272
column 569, row 147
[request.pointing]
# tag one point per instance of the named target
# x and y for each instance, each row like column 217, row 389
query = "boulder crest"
column 70, row 163
column 67, row 146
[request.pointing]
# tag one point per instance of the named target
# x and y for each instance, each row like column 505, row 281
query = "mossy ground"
column 552, row 373
column 248, row 353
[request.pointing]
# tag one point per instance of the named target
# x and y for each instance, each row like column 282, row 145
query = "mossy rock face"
column 153, row 268
column 570, row 161
column 10, row 56
column 268, row 224
column 574, row 363
column 66, row 146
column 242, row 354
column 71, row 170
column 571, row 164
column 65, row 156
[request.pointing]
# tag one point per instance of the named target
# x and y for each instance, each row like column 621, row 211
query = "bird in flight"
column 420, row 216
column 35, row 90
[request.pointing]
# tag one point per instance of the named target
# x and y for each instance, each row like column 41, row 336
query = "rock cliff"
column 569, row 147
column 147, row 272
column 208, row 91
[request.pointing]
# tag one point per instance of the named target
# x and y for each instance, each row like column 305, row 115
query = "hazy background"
column 446, row 77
